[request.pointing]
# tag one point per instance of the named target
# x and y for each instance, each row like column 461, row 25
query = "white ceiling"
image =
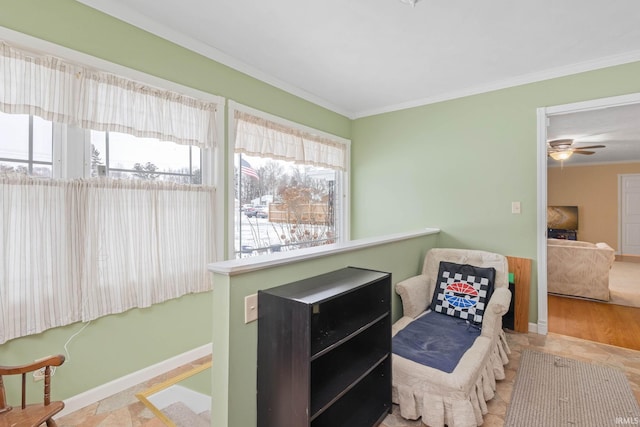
column 618, row 128
column 362, row 57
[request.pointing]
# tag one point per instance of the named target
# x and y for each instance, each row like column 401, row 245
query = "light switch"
column 515, row 207
column 250, row 308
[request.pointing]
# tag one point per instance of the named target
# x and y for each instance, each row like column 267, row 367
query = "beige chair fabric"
column 457, row 399
column 579, row 268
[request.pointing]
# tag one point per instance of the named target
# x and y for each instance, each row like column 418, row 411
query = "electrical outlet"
column 250, row 308
column 39, row 374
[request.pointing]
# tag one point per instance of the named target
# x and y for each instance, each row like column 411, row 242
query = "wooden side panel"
column 521, row 269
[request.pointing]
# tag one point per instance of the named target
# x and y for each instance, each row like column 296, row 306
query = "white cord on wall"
column 71, row 338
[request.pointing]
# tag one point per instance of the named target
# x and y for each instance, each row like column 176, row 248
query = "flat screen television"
column 562, row 217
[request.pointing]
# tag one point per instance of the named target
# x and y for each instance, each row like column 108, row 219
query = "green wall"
column 118, row 345
column 113, row 346
column 458, row 165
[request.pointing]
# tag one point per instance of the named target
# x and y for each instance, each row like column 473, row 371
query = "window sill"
column 245, row 265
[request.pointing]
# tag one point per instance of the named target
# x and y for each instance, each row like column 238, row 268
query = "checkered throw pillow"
column 463, row 290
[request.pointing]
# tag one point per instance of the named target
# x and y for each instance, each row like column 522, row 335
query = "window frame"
column 343, row 225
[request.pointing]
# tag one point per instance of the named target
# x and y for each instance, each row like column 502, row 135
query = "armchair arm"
column 498, row 305
column 414, row 293
column 34, row 366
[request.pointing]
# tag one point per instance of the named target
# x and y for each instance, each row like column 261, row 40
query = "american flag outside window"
column 246, row 169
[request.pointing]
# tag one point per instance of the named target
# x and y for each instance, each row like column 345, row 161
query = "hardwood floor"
column 595, row 321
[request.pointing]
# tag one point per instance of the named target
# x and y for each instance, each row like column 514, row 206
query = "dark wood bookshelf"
column 324, row 350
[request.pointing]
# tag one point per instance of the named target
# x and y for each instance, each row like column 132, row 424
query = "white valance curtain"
column 40, row 85
column 258, row 136
column 77, row 250
column 71, row 94
column 109, row 102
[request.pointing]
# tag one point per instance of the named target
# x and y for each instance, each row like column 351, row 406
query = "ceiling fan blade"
column 588, row 147
column 578, row 151
column 560, row 144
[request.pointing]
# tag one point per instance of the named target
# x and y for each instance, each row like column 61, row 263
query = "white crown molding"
column 568, row 70
column 138, row 20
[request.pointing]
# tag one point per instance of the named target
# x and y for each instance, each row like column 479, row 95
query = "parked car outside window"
column 259, row 211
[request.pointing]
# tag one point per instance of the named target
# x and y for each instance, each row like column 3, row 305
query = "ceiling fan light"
column 561, row 155
column 410, row 2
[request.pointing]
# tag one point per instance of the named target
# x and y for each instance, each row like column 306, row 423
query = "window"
column 128, row 156
column 290, row 185
column 77, row 249
column 26, row 145
column 284, row 206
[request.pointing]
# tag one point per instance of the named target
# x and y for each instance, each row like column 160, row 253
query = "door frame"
column 543, row 114
column 620, row 201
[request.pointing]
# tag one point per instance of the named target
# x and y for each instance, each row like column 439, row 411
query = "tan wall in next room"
column 594, row 189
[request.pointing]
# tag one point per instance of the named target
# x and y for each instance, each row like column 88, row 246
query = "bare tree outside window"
column 146, row 171
column 96, row 160
column 283, row 207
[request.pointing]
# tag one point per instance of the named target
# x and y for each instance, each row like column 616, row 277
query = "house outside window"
column 290, row 195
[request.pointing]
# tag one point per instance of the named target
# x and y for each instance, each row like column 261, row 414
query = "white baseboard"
column 533, row 327
column 538, row 328
column 103, row 391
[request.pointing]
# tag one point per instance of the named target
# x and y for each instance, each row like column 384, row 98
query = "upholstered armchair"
column 456, row 398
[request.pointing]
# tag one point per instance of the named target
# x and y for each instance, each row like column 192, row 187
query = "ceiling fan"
column 562, row 149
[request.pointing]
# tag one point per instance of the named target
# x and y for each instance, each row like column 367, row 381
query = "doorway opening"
column 544, row 117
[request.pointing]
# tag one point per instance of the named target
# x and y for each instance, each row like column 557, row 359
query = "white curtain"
column 257, row 136
column 112, row 103
column 38, row 85
column 68, row 93
column 78, row 250
column 39, row 281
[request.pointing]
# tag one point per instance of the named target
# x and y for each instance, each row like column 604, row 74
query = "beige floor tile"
column 124, row 409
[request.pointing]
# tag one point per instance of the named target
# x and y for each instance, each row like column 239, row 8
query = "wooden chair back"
column 30, row 414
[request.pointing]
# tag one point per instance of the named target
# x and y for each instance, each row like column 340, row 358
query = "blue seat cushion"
column 435, row 340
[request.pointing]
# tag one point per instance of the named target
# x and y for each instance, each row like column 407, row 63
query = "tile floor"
column 124, row 409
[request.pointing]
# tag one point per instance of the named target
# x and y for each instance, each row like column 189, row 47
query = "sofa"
column 578, row 268
column 456, row 398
